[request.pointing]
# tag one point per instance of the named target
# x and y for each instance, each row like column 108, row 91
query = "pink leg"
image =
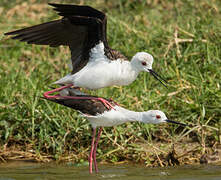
column 104, row 101
column 46, row 94
column 92, row 149
column 95, row 149
column 114, row 102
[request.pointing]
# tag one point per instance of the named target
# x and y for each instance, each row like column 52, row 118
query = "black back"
column 87, row 106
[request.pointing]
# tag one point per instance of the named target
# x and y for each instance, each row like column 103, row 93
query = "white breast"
column 108, row 118
column 101, row 72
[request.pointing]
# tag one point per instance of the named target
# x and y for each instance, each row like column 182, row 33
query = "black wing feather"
column 81, row 28
column 77, row 10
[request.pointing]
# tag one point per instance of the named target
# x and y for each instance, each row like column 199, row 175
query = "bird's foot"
column 114, row 102
column 107, row 104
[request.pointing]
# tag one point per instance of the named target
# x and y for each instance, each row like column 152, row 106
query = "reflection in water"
column 37, row 171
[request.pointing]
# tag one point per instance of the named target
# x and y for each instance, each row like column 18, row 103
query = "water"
column 36, row 171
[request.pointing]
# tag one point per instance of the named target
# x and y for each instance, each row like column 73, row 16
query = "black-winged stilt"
column 101, row 116
column 94, row 64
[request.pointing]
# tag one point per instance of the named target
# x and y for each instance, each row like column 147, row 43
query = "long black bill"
column 175, row 122
column 158, row 77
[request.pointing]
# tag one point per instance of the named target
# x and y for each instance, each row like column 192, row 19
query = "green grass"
column 192, row 68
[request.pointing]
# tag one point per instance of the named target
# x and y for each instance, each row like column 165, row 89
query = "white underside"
column 114, row 117
column 101, row 72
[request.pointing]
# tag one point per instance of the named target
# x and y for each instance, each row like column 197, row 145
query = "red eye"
column 144, row 63
column 158, row 116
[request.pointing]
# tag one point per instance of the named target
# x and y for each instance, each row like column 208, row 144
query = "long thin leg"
column 95, row 149
column 104, row 101
column 46, row 94
column 92, row 150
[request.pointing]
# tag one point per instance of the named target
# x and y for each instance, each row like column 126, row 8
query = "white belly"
column 107, row 119
column 101, row 74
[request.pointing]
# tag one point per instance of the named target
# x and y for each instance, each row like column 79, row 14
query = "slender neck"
column 125, row 74
column 134, row 65
column 132, row 116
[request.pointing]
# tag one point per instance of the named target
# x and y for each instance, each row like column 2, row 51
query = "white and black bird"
column 101, row 116
column 94, row 64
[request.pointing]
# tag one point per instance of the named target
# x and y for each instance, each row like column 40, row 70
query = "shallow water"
column 36, row 171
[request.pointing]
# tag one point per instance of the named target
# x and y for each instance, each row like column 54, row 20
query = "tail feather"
column 65, row 80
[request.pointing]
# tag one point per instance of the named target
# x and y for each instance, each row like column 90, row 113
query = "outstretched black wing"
column 81, row 28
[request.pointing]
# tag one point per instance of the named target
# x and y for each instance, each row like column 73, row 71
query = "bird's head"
column 143, row 61
column 156, row 117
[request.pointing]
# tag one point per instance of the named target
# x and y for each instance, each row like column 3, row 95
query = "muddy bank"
column 157, row 154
